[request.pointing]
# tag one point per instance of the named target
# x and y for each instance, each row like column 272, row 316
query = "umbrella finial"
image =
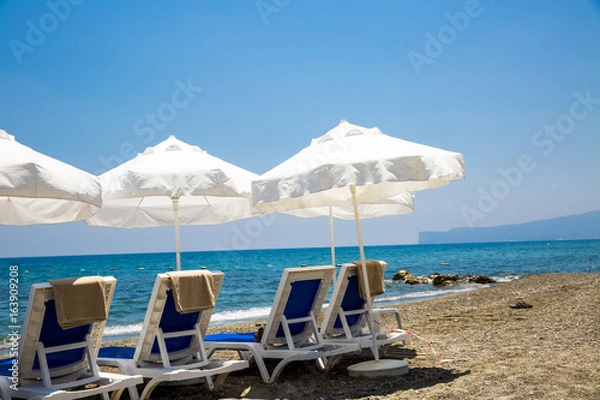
column 175, row 145
column 343, row 121
column 5, row 135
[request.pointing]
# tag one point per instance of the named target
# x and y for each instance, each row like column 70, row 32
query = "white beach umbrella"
column 377, row 165
column 38, row 189
column 352, row 165
column 172, row 184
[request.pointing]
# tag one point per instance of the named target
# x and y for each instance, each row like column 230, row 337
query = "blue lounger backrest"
column 297, row 306
column 172, row 321
column 53, row 335
column 351, row 301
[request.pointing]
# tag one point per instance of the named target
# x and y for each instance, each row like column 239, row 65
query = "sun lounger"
column 60, row 363
column 346, row 316
column 291, row 332
column 170, row 347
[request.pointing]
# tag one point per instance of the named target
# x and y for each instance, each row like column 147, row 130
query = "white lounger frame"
column 51, row 383
column 305, row 346
column 357, row 333
column 188, row 364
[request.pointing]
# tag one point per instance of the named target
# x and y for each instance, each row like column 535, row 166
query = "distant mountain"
column 571, row 227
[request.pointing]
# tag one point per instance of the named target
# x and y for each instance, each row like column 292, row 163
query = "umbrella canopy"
column 379, row 166
column 37, row 189
column 174, row 183
column 352, row 165
column 402, row 203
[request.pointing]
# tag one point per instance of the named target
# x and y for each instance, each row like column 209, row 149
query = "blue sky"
column 514, row 86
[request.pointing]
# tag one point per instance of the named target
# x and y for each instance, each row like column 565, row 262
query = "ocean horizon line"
column 295, row 248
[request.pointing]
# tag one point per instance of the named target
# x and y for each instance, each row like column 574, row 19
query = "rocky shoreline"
column 437, row 279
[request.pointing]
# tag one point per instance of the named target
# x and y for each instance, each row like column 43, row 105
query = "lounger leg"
column 246, row 356
column 159, row 379
column 264, row 372
column 326, row 364
column 116, row 395
column 126, row 369
column 209, row 383
column 4, row 389
column 221, row 379
column 385, row 348
column 278, row 369
column 133, row 394
column 148, row 389
column 322, row 363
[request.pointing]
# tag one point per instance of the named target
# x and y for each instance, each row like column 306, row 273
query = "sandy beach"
column 548, row 351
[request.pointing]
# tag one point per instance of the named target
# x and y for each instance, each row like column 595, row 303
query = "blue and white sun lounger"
column 346, row 316
column 291, row 332
column 171, row 347
column 60, row 363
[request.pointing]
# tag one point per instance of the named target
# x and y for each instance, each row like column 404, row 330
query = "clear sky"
column 514, row 86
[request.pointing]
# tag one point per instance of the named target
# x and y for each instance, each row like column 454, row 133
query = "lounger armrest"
column 288, row 335
column 378, row 312
column 86, row 345
column 343, row 315
column 164, row 353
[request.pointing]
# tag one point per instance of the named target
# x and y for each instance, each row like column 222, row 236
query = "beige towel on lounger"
column 79, row 301
column 192, row 290
column 375, row 275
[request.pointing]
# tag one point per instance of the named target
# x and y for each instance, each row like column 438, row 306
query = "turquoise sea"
column 252, row 276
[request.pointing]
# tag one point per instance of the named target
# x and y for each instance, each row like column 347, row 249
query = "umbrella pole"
column 176, row 218
column 332, row 239
column 364, row 272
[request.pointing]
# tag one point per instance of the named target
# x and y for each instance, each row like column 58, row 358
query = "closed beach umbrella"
column 37, row 189
column 172, row 184
column 350, row 166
